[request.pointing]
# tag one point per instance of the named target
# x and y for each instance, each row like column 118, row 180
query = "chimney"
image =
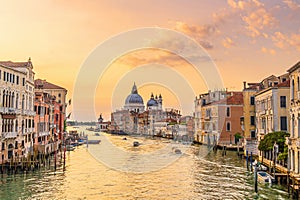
column 244, row 84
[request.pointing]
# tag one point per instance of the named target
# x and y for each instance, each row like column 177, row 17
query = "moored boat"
column 70, row 147
column 264, row 177
column 94, row 141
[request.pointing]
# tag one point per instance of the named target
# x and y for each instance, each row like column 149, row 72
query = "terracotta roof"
column 15, row 64
column 284, row 84
column 294, row 67
column 43, row 84
column 235, row 99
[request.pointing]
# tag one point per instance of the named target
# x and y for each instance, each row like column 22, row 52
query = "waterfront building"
column 217, row 117
column 58, row 95
column 272, row 109
column 16, row 109
column 294, row 120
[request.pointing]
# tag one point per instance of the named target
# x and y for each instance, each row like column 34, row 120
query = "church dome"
column 152, row 102
column 134, row 97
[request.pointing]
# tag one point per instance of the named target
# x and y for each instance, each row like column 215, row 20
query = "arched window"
column 17, row 101
column 23, row 99
column 292, row 89
column 16, row 126
column 12, row 100
column 3, row 99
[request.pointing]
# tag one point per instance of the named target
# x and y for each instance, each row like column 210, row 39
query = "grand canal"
column 196, row 174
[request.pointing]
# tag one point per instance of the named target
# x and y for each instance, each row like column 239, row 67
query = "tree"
column 267, row 143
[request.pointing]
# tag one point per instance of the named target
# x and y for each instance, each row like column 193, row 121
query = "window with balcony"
column 282, row 101
column 283, row 123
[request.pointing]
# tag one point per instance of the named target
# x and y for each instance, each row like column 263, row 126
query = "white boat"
column 259, row 167
column 264, row 177
column 70, row 148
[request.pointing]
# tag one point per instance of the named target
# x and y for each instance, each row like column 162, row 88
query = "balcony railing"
column 28, row 112
column 8, row 135
column 9, row 110
column 45, row 133
column 262, row 131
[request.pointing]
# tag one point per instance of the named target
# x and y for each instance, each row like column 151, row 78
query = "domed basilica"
column 134, row 102
column 135, row 118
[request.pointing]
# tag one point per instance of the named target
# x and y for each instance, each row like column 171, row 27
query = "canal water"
column 194, row 174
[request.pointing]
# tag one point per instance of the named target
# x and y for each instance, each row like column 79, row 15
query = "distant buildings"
column 135, row 118
column 30, row 114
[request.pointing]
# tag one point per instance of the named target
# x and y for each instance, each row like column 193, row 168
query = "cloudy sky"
column 246, row 40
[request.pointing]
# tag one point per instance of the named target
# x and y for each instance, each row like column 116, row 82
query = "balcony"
column 207, row 118
column 44, row 133
column 9, row 135
column 28, row 112
column 29, row 130
column 263, row 112
column 9, row 110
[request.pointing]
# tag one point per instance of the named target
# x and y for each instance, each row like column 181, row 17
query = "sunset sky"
column 246, row 40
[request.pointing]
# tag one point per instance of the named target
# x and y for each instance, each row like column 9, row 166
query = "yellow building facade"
column 294, row 139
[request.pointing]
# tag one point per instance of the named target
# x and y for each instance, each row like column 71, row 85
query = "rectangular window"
column 253, row 134
column 283, row 101
column 23, row 81
column 4, row 76
column 17, row 80
column 283, row 123
column 0, row 74
column 252, row 100
column 228, row 111
column 228, row 126
column 13, row 78
column 252, row 120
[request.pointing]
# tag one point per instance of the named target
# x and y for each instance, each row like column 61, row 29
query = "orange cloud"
column 199, row 33
column 292, row 4
column 284, row 41
column 266, row 50
column 227, row 42
column 258, row 20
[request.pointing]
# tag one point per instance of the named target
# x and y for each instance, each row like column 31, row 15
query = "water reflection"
column 190, row 177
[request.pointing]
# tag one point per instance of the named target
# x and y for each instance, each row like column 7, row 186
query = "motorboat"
column 264, row 177
column 93, row 141
column 177, row 151
column 70, row 147
column 136, row 144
